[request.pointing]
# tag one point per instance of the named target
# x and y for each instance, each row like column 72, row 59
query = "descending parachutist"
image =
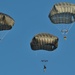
column 63, row 19
column 65, row 37
column 44, row 68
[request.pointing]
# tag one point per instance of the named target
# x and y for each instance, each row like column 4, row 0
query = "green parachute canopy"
column 44, row 41
column 6, row 22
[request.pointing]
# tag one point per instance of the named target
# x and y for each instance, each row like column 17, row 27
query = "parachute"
column 63, row 14
column 6, row 23
column 44, row 41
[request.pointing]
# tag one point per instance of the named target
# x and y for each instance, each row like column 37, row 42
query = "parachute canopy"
column 6, row 22
column 44, row 41
column 62, row 13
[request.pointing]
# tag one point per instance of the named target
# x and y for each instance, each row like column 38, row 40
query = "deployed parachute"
column 44, row 41
column 64, row 15
column 6, row 23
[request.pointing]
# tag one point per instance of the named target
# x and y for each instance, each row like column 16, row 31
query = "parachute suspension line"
column 3, row 34
column 64, row 28
column 67, row 28
column 58, row 27
column 70, row 27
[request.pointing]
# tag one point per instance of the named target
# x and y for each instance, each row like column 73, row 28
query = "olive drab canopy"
column 62, row 13
column 6, row 22
column 63, row 16
column 44, row 41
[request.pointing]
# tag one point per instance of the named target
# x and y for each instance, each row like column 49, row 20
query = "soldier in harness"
column 44, row 68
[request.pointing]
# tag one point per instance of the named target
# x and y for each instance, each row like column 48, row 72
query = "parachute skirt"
column 5, row 27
